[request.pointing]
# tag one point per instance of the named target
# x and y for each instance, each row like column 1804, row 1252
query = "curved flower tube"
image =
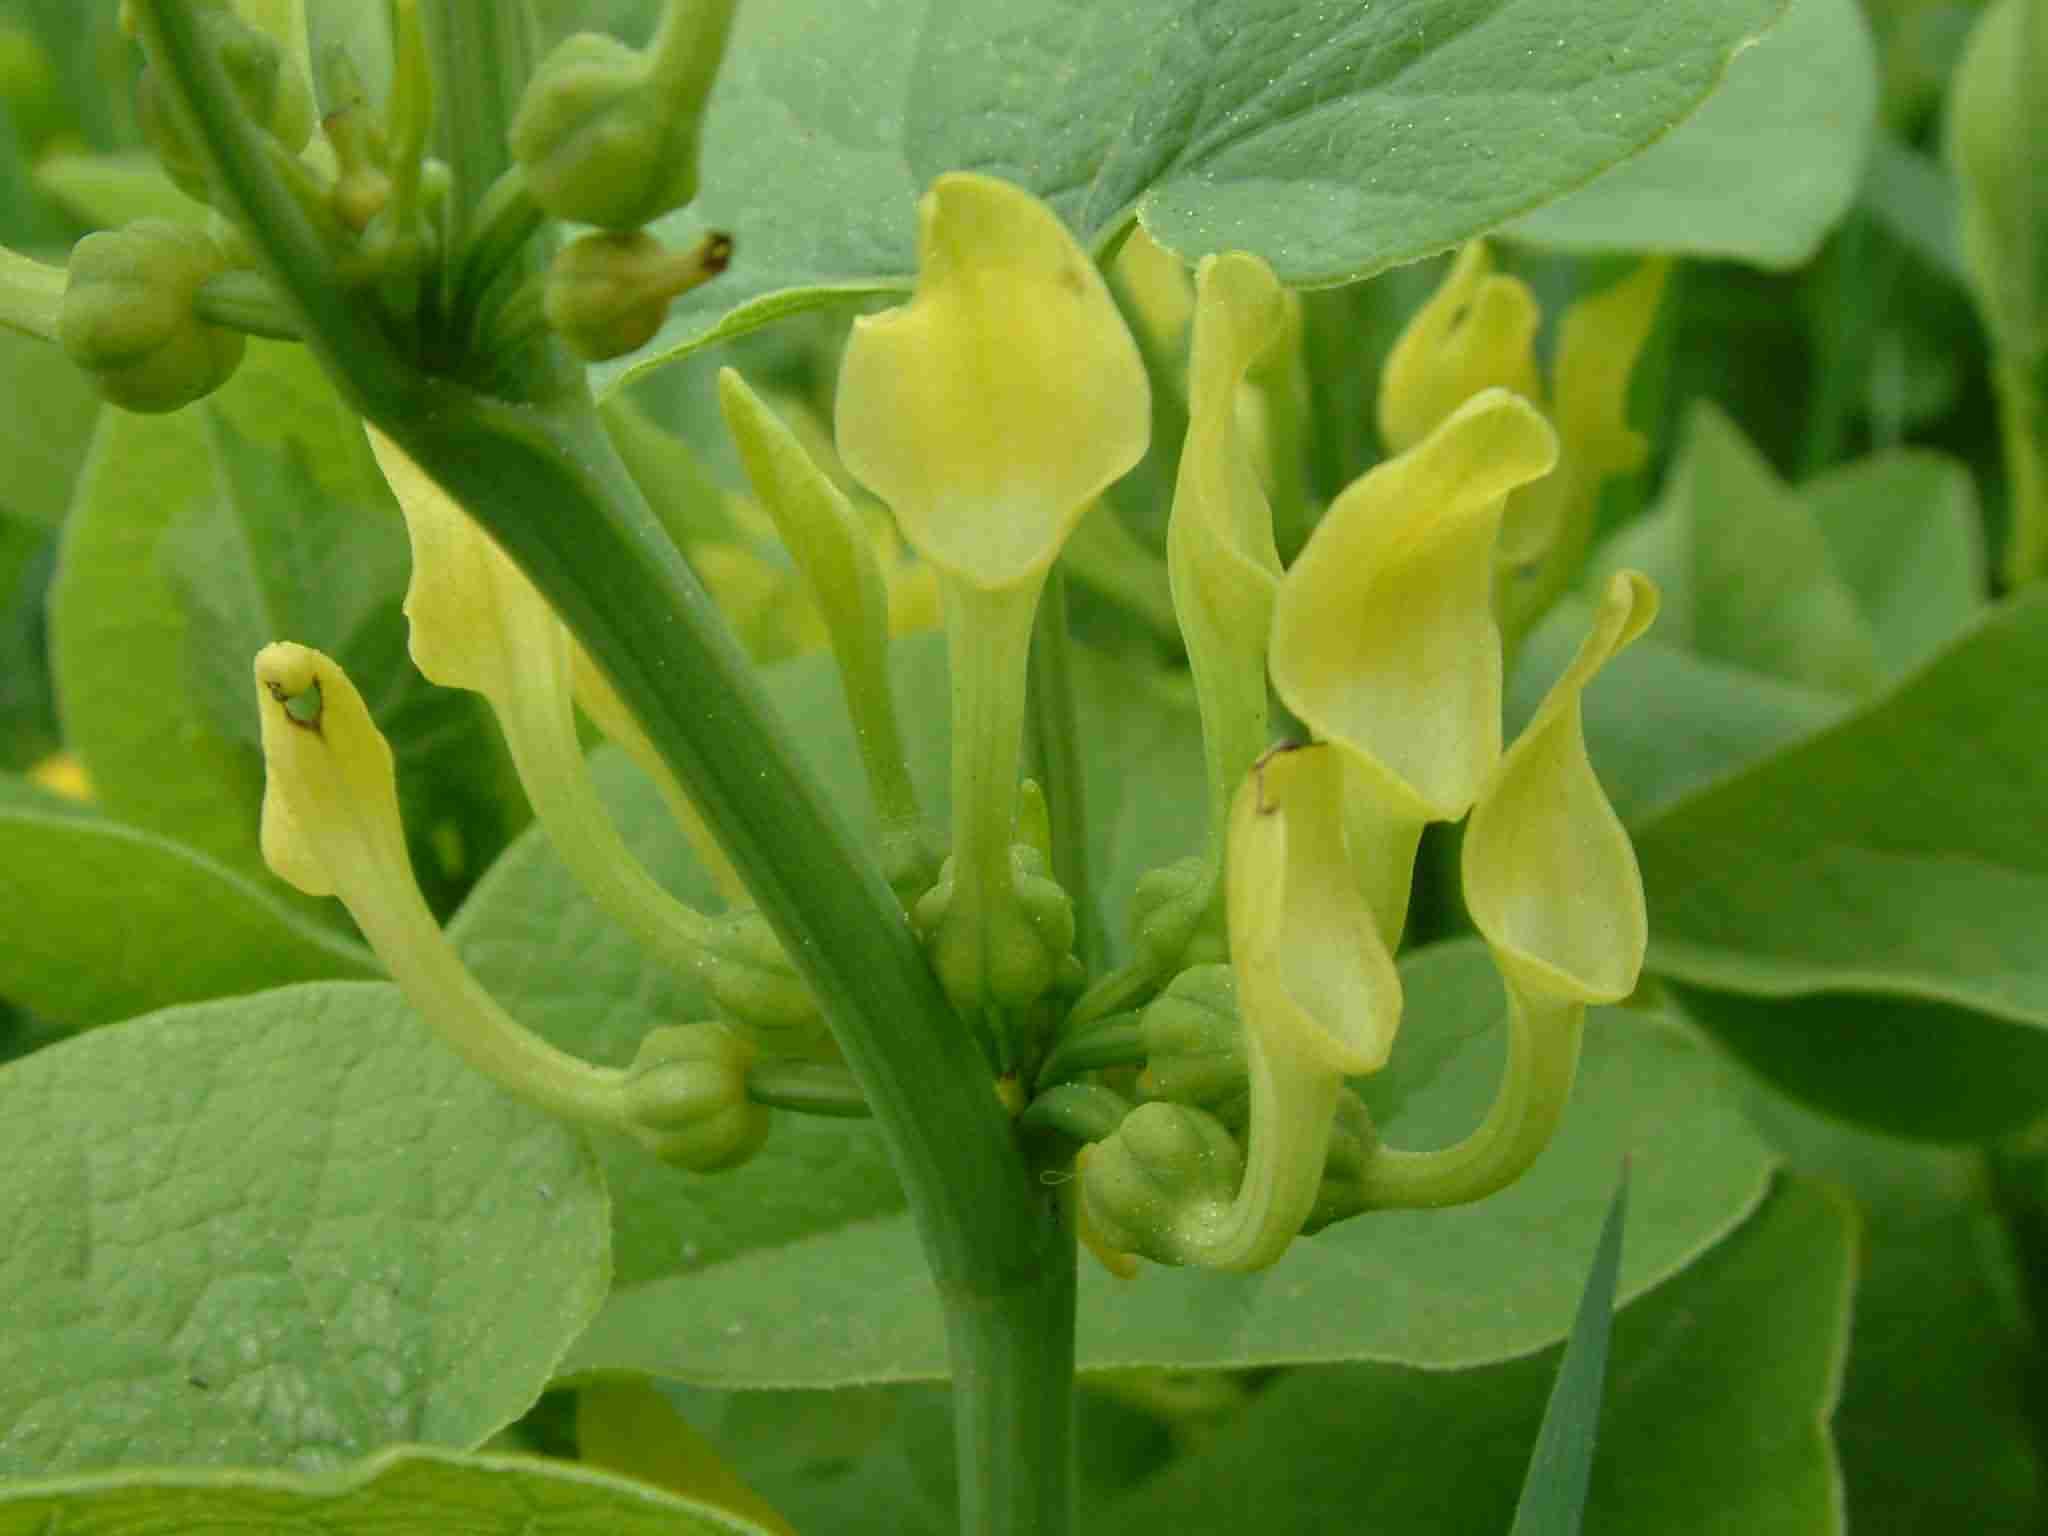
column 989, row 412
column 1384, row 641
column 331, row 828
column 478, row 623
column 1551, row 881
column 1320, row 1001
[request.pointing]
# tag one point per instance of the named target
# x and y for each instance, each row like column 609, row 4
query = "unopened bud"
column 130, row 316
column 607, row 295
column 1194, row 1044
column 1158, row 1184
column 686, row 1098
column 608, row 134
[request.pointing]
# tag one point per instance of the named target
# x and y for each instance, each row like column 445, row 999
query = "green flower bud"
column 1174, row 918
column 608, row 135
column 686, row 1098
column 1194, row 1045
column 607, row 295
column 1158, row 1184
column 130, row 318
column 267, row 83
column 750, row 978
column 1354, row 1140
column 1025, row 950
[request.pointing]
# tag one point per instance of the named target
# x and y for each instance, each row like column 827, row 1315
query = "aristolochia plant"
column 1077, row 925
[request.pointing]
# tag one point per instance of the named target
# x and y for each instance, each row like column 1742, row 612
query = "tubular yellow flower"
column 478, row 623
column 1551, row 881
column 331, row 827
column 1384, row 641
column 1320, row 1001
column 989, row 412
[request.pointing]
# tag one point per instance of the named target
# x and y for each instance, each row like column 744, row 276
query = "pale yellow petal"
column 1550, row 875
column 1384, row 639
column 1478, row 331
column 1221, row 560
column 994, row 406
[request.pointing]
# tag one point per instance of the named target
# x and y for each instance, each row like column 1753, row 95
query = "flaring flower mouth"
column 991, row 409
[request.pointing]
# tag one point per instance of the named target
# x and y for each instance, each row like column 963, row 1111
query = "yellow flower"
column 989, row 412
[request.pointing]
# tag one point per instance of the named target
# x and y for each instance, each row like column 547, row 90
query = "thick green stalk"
column 544, row 481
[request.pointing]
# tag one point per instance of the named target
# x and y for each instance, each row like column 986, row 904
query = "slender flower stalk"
column 331, row 828
column 1552, row 883
column 478, row 623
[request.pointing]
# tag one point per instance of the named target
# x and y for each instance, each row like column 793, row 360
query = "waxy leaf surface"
column 105, row 921
column 283, row 1231
column 1721, row 1383
column 1334, row 140
column 1761, row 172
column 400, row 1491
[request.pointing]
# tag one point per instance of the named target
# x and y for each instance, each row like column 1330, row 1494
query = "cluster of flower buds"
column 610, row 135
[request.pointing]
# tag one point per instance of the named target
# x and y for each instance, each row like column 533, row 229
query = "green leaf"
column 848, row 1301
column 1914, row 196
column 1905, row 535
column 44, row 430
column 1722, row 1383
column 1859, row 917
column 1553, row 1501
column 1781, row 608
column 1663, row 722
column 120, row 637
column 28, row 712
column 1934, row 1428
column 274, row 554
column 1761, row 172
column 105, row 921
column 398, row 1491
column 110, row 190
column 200, row 538
column 1334, row 141
column 1748, row 578
column 284, row 1231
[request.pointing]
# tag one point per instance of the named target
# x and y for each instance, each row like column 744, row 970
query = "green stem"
column 1013, row 1390
column 247, row 302
column 1057, row 727
column 2023, row 429
column 1081, row 1112
column 31, row 295
column 807, row 1087
column 1116, row 1041
column 541, row 478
